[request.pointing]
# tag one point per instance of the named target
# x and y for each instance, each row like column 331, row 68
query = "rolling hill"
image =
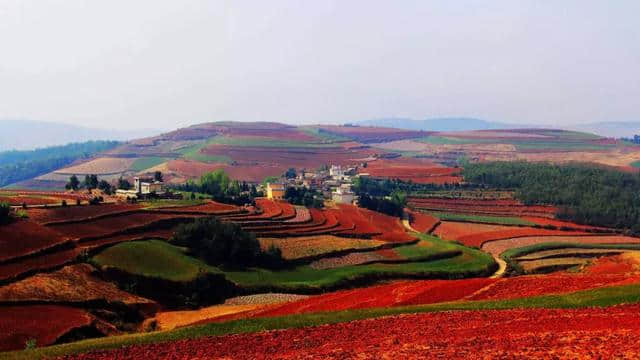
column 252, row 151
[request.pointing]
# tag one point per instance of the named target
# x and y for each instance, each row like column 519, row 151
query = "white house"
column 343, row 194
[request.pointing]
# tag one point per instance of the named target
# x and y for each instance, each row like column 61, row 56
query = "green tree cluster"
column 225, row 244
column 584, row 193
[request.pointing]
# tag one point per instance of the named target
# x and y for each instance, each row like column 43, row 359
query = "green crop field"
column 457, row 262
column 153, row 258
column 500, row 220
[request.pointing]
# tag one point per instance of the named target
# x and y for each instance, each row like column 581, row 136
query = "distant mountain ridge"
column 438, row 124
column 30, row 134
column 615, row 129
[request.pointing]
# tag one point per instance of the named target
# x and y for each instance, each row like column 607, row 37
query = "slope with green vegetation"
column 585, row 194
column 17, row 166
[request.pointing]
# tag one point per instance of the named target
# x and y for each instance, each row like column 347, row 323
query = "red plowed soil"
column 110, row 225
column 211, row 207
column 43, row 323
column 417, row 171
column 514, row 232
column 394, row 294
column 422, row 222
column 23, row 237
column 602, row 333
column 490, row 207
column 37, row 263
column 41, row 215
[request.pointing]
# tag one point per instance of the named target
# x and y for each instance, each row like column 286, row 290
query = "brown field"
column 30, row 265
column 74, row 213
column 24, row 237
column 71, row 284
column 99, row 166
column 42, row 323
column 308, row 246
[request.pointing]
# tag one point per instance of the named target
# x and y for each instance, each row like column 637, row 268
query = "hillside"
column 254, row 151
column 44, row 134
column 437, row 124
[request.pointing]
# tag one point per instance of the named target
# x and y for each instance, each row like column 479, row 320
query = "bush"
column 5, row 210
column 64, row 203
column 226, row 244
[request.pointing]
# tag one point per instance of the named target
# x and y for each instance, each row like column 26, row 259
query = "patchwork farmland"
column 465, row 266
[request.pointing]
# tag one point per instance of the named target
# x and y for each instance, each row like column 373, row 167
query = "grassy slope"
column 607, row 296
column 303, row 278
column 500, row 220
column 156, row 258
column 153, row 258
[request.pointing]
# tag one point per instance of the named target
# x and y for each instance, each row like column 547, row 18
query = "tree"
column 123, row 184
column 290, row 174
column 222, row 243
column 157, row 176
column 105, row 186
column 91, row 181
column 73, row 183
column 5, row 210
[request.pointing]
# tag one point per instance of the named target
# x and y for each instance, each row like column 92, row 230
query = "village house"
column 142, row 187
column 275, row 191
column 343, row 194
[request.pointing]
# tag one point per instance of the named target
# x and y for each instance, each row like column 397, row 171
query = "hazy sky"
column 164, row 64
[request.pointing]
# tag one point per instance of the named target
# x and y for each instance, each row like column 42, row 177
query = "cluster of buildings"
column 335, row 183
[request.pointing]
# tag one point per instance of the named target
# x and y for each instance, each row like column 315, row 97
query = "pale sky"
column 165, row 64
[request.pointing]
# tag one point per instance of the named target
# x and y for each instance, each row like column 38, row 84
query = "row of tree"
column 392, row 205
column 304, row 196
column 221, row 188
column 584, row 193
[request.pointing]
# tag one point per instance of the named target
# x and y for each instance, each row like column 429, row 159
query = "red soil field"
column 492, row 207
column 363, row 226
column 520, row 333
column 394, row 294
column 24, row 237
column 421, row 222
column 111, row 225
column 479, row 239
column 70, row 213
column 391, row 228
column 302, row 216
column 44, row 323
column 534, row 285
column 28, row 200
column 38, row 263
column 560, row 224
column 288, row 211
column 296, row 157
column 415, row 170
column 71, row 284
column 210, row 207
column 269, row 208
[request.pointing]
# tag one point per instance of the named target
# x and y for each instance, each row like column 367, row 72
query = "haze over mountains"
column 605, row 128
column 29, row 134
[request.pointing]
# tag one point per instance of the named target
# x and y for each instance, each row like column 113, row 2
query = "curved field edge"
column 514, row 268
column 602, row 297
column 439, row 260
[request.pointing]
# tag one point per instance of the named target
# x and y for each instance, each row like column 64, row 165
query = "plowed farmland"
column 525, row 333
